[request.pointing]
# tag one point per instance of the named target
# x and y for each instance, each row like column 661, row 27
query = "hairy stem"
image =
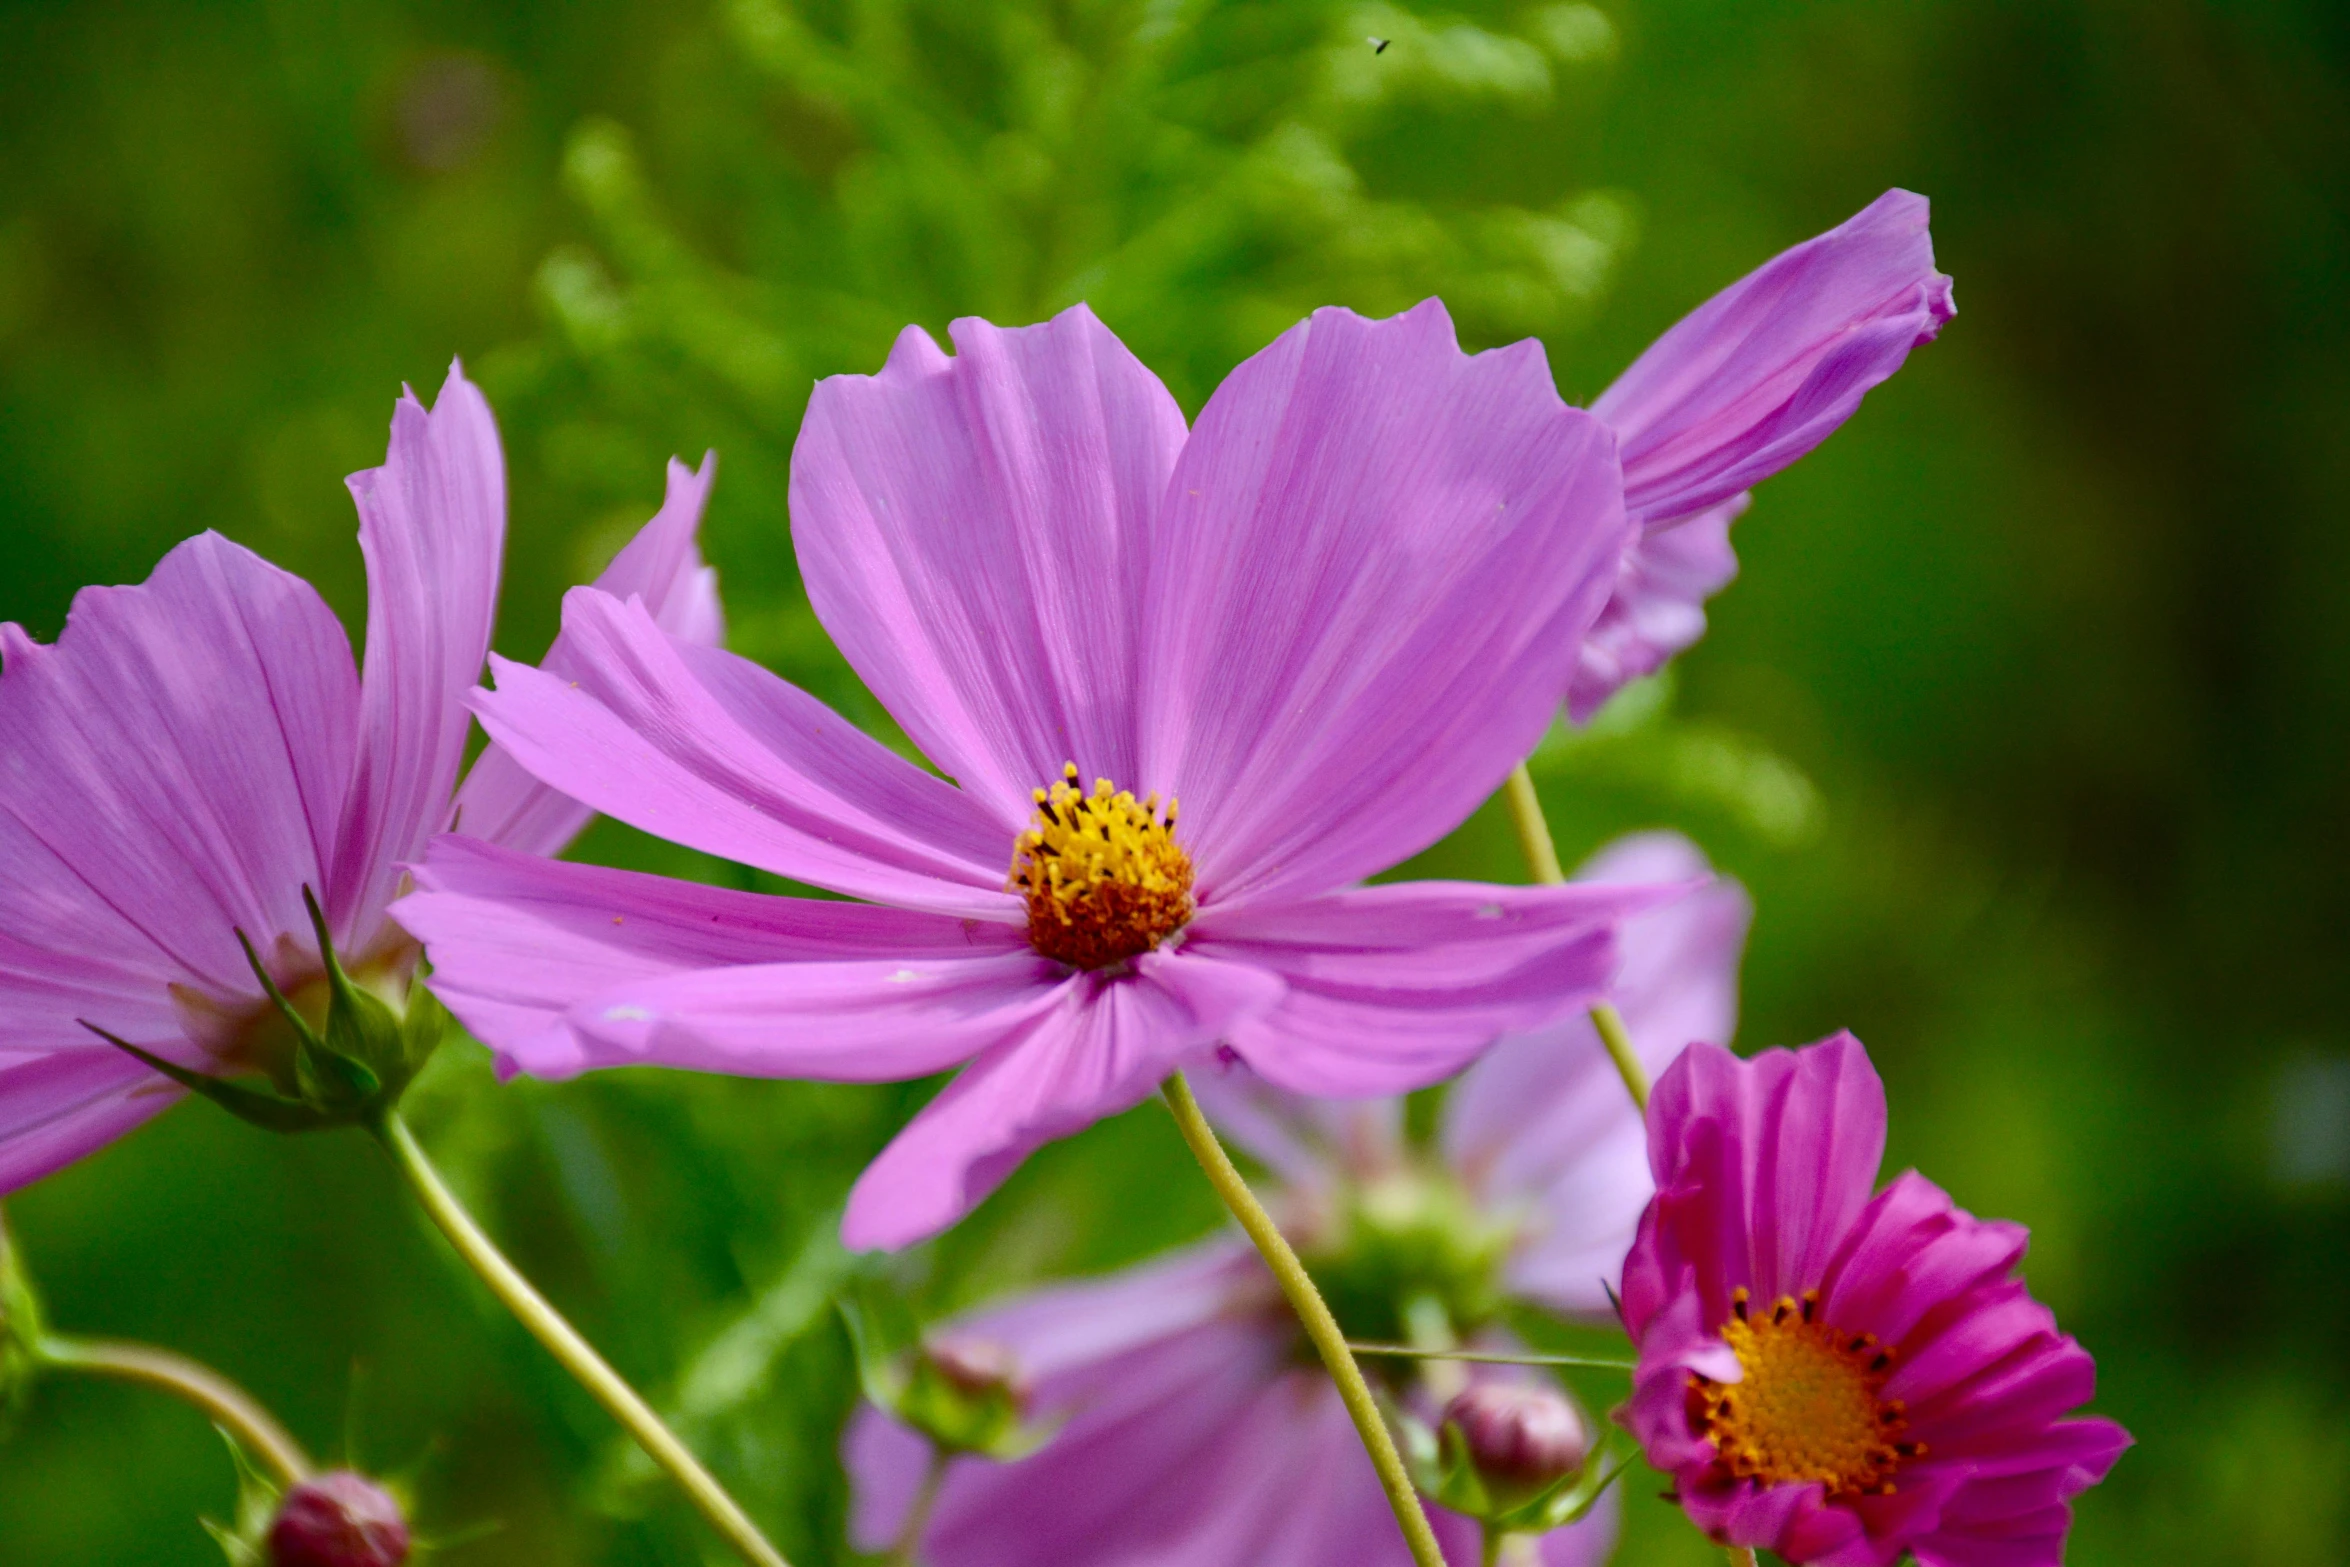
column 1542, row 859
column 562, row 1341
column 1314, row 1314
column 227, row 1405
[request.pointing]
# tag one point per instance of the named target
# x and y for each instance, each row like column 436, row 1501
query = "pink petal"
column 1658, row 605
column 55, row 1108
column 1542, row 1123
column 974, row 532
column 1309, row 1143
column 501, row 803
column 432, row 524
column 564, row 967
column 1378, row 557
column 1768, row 368
column 1109, row 1045
column 175, row 765
column 1066, row 1327
column 711, row 751
column 1395, row 987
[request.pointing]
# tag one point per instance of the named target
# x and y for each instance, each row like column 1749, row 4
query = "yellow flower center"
column 1809, row 1405
column 1104, row 878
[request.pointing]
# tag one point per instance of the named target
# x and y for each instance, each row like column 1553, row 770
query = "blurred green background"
column 2026, row 721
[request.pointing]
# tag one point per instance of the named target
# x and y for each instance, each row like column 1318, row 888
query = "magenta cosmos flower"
column 1837, row 1375
column 1326, row 622
column 1199, row 1429
column 1744, row 385
column 193, row 753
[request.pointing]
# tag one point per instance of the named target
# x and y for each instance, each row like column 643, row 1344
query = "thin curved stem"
column 1314, row 1314
column 574, row 1353
column 1542, row 860
column 223, row 1402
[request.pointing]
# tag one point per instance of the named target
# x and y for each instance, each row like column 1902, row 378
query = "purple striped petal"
column 974, row 533
column 1378, row 557
column 432, row 524
column 1658, row 606
column 1768, row 368
column 1105, row 1049
column 56, row 1108
column 711, row 751
column 500, row 802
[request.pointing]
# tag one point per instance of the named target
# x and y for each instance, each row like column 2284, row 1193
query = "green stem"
column 1542, row 859
column 1314, row 1314
column 1487, row 1357
column 1489, row 1553
column 227, row 1405
column 574, row 1353
column 925, row 1502
column 1740, row 1555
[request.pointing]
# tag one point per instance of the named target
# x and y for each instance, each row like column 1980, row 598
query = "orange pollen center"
column 1810, row 1405
column 1104, row 878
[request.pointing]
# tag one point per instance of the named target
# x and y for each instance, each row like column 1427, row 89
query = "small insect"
column 1378, row 45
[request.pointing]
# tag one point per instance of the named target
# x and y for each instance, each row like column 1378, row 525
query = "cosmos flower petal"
column 176, row 764
column 564, row 967
column 1377, row 558
column 710, row 750
column 502, row 803
column 1658, row 606
column 974, row 531
column 432, row 525
column 1768, row 368
column 1398, row 986
column 57, row 1107
column 1068, row 1327
column 1110, row 1042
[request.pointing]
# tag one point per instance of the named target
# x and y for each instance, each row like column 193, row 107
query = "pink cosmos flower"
column 194, row 752
column 1200, row 1431
column 1328, row 621
column 1838, row 1376
column 1741, row 387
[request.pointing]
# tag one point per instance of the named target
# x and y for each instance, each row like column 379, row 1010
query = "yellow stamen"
column 1104, row 878
column 1809, row 1406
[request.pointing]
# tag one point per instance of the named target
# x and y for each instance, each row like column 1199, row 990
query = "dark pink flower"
column 1836, row 1375
column 1199, row 1430
column 1744, row 385
column 1328, row 621
column 194, row 752
column 338, row 1519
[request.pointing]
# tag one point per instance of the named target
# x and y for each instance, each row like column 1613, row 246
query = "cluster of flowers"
column 1316, row 629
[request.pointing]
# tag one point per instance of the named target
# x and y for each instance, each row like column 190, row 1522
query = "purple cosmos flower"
column 193, row 753
column 1199, row 1430
column 1741, row 387
column 1838, row 1376
column 1327, row 621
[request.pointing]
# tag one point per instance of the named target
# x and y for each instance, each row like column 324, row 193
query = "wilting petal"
column 57, row 1107
column 1542, row 1125
column 1768, row 368
column 1395, row 987
column 1658, row 607
column 564, row 967
column 1111, row 1041
column 499, row 801
column 1378, row 557
column 432, row 524
column 712, row 751
column 974, row 531
column 173, row 770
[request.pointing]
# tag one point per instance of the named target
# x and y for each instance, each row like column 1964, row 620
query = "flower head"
column 1325, row 623
column 196, row 756
column 1744, row 385
column 1836, row 1375
column 1198, row 1426
column 338, row 1519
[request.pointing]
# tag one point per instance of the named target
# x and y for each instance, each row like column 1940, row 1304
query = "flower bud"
column 976, row 1366
column 338, row 1520
column 1521, row 1440
column 20, row 1328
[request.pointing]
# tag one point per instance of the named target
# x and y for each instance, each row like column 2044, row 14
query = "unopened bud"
column 1523, row 1439
column 338, row 1520
column 976, row 1366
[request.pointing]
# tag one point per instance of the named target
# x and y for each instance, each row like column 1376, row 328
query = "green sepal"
column 1444, row 1472
column 246, row 1543
column 365, row 1047
column 270, row 1111
column 21, row 1330
column 899, row 1374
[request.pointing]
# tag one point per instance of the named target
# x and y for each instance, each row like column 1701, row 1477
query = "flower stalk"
column 1314, row 1314
column 1542, row 860
column 225, row 1404
column 573, row 1352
